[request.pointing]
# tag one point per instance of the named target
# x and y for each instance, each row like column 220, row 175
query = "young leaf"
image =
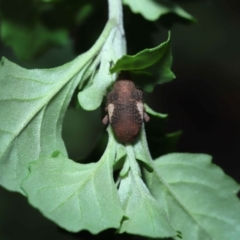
column 144, row 215
column 76, row 196
column 33, row 103
column 152, row 10
column 201, row 200
column 159, row 57
column 91, row 97
column 141, row 60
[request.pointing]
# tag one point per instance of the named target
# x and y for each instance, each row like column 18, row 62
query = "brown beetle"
column 126, row 111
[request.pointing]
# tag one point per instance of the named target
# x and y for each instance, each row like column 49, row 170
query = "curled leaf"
column 157, row 60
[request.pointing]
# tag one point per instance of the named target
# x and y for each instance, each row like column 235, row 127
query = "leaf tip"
column 169, row 35
column 2, row 62
column 55, row 154
column 112, row 69
column 179, row 234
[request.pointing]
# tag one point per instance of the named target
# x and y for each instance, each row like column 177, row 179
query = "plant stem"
column 132, row 161
column 116, row 13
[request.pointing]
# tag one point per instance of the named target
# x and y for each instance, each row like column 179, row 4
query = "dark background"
column 203, row 101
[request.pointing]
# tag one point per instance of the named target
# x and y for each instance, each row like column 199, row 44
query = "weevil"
column 125, row 110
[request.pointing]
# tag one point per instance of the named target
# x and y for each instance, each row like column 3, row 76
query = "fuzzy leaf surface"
column 145, row 216
column 90, row 98
column 76, row 196
column 200, row 199
column 32, row 107
column 152, row 10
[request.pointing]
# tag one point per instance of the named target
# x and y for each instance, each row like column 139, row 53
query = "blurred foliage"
column 159, row 141
column 28, row 42
column 30, row 28
column 152, row 10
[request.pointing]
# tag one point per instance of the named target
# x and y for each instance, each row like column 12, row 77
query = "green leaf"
column 152, row 10
column 33, row 103
column 76, row 196
column 32, row 107
column 84, row 13
column 144, row 215
column 141, row 60
column 159, row 57
column 29, row 41
column 201, row 200
column 91, row 97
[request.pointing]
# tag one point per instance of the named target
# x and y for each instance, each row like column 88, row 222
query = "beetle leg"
column 105, row 120
column 146, row 117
